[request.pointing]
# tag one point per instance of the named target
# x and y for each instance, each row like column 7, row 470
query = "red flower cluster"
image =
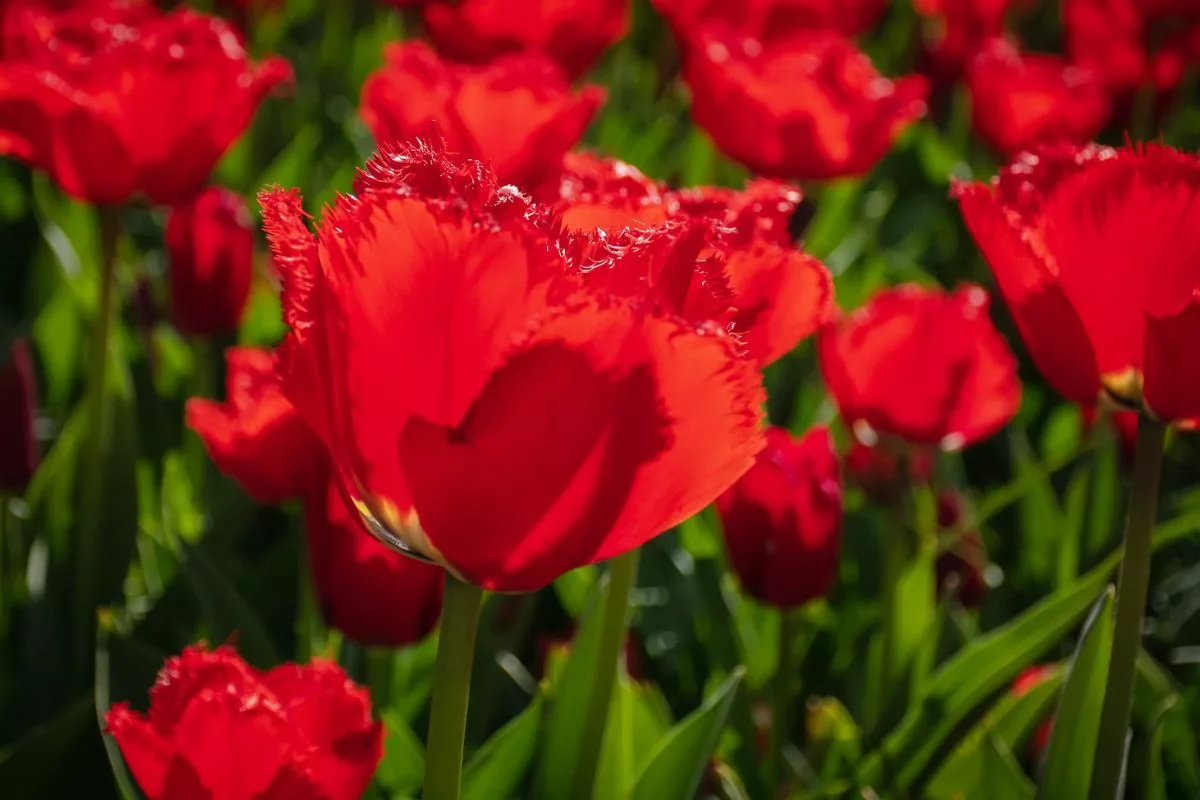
column 760, row 19
column 210, row 249
column 518, row 112
column 1134, row 43
column 573, row 33
column 447, row 342
column 257, row 437
column 921, row 365
column 218, row 729
column 1097, row 252
column 958, row 29
column 783, row 520
column 18, row 415
column 1019, row 100
column 810, row 106
column 127, row 100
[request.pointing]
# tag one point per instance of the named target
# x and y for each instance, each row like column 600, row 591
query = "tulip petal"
column 1172, row 365
column 147, row 754
column 606, row 428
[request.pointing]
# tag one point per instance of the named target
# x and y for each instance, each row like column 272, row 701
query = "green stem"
column 781, row 718
column 92, row 505
column 622, row 572
column 895, row 559
column 461, row 604
column 380, row 661
column 1133, row 587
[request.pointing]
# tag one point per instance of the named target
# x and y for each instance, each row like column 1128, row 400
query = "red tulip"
column 1025, row 683
column 18, row 417
column 1097, row 252
column 219, row 729
column 1133, row 43
column 371, row 593
column 574, row 33
column 210, row 248
column 958, row 29
column 960, row 568
column 518, row 112
column 810, row 107
column 255, row 436
column 1019, row 100
column 704, row 254
column 130, row 101
column 885, row 474
column 767, row 18
column 783, row 520
column 922, row 365
column 481, row 414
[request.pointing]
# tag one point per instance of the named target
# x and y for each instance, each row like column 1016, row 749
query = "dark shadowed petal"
column 1172, row 365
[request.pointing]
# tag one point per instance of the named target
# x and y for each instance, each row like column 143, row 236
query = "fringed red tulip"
column 218, row 729
column 783, row 520
column 210, row 252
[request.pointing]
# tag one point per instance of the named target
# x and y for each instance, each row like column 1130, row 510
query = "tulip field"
column 600, row 399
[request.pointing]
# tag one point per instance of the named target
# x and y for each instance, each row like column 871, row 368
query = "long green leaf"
column 637, row 721
column 957, row 690
column 1071, row 753
column 228, row 614
column 1003, row 778
column 1156, row 779
column 675, row 768
column 403, row 764
column 1157, row 704
column 497, row 769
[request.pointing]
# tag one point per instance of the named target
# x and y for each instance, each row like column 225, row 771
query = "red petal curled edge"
column 1049, row 325
column 1172, row 366
column 607, row 427
column 147, row 752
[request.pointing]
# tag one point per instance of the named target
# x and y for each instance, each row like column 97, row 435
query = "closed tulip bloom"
column 210, row 252
column 1133, row 43
column 129, row 101
column 1097, row 252
column 572, row 33
column 923, row 366
column 517, row 113
column 255, row 436
column 218, row 729
column 956, row 30
column 766, row 18
column 481, row 413
column 19, row 456
column 783, row 520
column 1019, row 100
column 371, row 593
column 806, row 107
column 703, row 253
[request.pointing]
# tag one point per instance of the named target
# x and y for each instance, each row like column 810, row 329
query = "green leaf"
column 228, row 614
column 1156, row 779
column 568, row 703
column 909, row 753
column 412, row 678
column 403, row 765
column 675, row 768
column 1039, row 513
column 497, row 769
column 125, row 671
column 1009, row 723
column 1158, row 704
column 1003, row 778
column 834, row 741
column 1069, row 757
column 574, row 588
column 638, row 719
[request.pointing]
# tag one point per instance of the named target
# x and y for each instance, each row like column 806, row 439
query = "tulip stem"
column 92, row 500
column 781, row 718
column 461, row 604
column 622, row 572
column 1132, row 590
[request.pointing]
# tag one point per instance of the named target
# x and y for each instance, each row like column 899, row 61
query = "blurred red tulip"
column 885, row 474
column 958, row 29
column 704, row 253
column 518, row 112
column 371, row 593
column 809, row 107
column 210, row 252
column 1097, row 252
column 573, row 33
column 783, row 520
column 19, row 456
column 1019, row 100
column 1024, row 683
column 769, row 18
column 960, row 568
column 922, row 365
column 426, row 353
column 1133, row 43
column 130, row 101
column 255, row 436
column 219, row 729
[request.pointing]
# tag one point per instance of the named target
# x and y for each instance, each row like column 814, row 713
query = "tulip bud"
column 783, row 520
column 210, row 244
column 18, row 412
